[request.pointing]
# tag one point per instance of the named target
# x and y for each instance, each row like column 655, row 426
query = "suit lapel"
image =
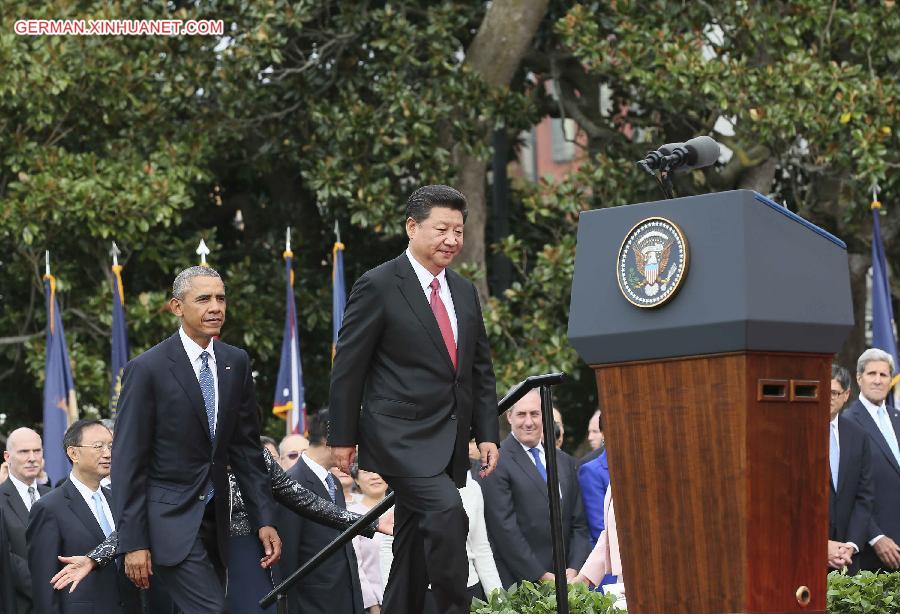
column 81, row 510
column 415, row 298
column 15, row 501
column 225, row 377
column 844, row 440
column 462, row 305
column 526, row 465
column 183, row 372
column 865, row 420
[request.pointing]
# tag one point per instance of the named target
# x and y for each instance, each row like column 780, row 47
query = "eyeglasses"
column 292, row 455
column 97, row 447
column 835, row 394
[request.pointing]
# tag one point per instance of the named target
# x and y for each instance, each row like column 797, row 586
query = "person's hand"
column 548, row 576
column 888, row 551
column 4, row 471
column 139, row 568
column 580, row 579
column 344, row 456
column 386, row 523
column 571, row 573
column 271, row 544
column 839, row 554
column 489, row 457
column 77, row 569
column 375, row 609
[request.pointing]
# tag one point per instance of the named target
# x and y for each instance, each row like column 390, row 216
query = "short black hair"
column 265, row 440
column 420, row 202
column 74, row 433
column 317, row 427
column 842, row 376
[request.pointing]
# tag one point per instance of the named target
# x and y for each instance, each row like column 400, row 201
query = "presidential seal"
column 652, row 262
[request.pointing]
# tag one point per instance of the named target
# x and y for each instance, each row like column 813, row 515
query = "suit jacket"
column 334, row 587
column 418, row 414
column 7, row 590
column 850, row 508
column 593, row 477
column 518, row 517
column 165, row 457
column 15, row 516
column 61, row 523
column 885, row 481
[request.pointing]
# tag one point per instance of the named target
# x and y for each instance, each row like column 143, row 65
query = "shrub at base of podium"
column 864, row 592
column 532, row 598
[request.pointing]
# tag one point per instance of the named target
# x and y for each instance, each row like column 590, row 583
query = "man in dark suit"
column 850, row 495
column 7, row 590
column 75, row 518
column 413, row 353
column 515, row 502
column 186, row 411
column 882, row 426
column 334, row 587
column 23, row 455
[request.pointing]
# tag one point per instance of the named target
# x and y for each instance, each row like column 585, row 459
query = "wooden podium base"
column 720, row 483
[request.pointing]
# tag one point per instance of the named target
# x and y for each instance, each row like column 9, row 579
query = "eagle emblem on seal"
column 652, row 262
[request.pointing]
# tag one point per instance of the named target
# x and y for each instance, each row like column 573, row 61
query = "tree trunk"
column 494, row 55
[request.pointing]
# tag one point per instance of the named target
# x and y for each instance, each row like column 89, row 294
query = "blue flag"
column 883, row 336
column 119, row 339
column 60, row 406
column 338, row 293
column 289, row 400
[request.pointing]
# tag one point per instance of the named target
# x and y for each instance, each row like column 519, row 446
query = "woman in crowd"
column 373, row 489
column 244, row 550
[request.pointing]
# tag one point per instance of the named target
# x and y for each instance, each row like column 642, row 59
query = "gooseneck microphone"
column 699, row 152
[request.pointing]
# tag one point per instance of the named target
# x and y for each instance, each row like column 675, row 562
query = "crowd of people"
column 181, row 505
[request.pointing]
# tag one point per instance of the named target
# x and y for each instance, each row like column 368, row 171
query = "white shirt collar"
column 540, row 446
column 320, row 471
column 834, row 422
column 871, row 407
column 193, row 350
column 424, row 274
column 86, row 492
column 22, row 489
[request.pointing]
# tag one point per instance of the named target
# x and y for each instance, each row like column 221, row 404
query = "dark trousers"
column 197, row 584
column 473, row 592
column 430, row 528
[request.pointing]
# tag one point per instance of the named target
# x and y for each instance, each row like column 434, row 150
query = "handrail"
column 518, row 391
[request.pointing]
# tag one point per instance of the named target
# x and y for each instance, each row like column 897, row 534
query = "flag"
column 338, row 293
column 883, row 336
column 119, row 339
column 289, row 401
column 60, row 406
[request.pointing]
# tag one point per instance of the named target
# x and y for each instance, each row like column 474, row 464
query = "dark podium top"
column 759, row 278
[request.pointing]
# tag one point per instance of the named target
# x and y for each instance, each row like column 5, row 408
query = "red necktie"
column 443, row 320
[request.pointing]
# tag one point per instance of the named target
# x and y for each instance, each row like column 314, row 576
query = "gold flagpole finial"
column 876, row 204
column 203, row 252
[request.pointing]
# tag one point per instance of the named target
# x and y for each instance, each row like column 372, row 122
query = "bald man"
column 24, row 456
column 290, row 449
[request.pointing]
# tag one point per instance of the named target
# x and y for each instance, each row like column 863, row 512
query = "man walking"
column 414, row 355
column 187, row 410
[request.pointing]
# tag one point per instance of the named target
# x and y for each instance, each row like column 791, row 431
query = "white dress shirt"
column 836, row 427
column 88, row 496
column 193, row 352
column 425, row 279
column 22, row 489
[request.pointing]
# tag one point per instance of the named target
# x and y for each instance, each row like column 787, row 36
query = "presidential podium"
column 711, row 323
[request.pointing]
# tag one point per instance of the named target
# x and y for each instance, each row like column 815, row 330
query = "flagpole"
column 203, row 252
column 119, row 337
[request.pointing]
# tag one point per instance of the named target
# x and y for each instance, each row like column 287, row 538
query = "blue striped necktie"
column 208, row 388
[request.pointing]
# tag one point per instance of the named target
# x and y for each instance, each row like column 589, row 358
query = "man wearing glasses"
column 74, row 518
column 850, row 493
column 290, row 449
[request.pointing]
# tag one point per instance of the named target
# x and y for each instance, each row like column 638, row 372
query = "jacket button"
column 453, row 416
column 202, row 497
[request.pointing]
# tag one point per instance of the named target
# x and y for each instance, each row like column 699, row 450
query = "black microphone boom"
column 652, row 160
column 699, row 152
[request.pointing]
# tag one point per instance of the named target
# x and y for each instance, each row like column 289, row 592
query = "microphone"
column 699, row 152
column 652, row 160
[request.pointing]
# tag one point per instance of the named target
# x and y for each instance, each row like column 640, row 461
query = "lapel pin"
column 228, row 367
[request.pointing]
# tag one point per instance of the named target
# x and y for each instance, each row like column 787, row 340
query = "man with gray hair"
column 874, row 371
column 186, row 411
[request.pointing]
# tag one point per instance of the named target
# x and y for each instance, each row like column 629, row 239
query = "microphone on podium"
column 699, row 152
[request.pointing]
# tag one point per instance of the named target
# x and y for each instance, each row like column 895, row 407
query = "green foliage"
column 530, row 598
column 863, row 592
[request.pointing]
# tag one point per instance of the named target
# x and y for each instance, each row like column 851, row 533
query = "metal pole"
column 559, row 546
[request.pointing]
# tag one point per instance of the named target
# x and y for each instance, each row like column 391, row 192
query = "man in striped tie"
column 75, row 517
column 413, row 355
